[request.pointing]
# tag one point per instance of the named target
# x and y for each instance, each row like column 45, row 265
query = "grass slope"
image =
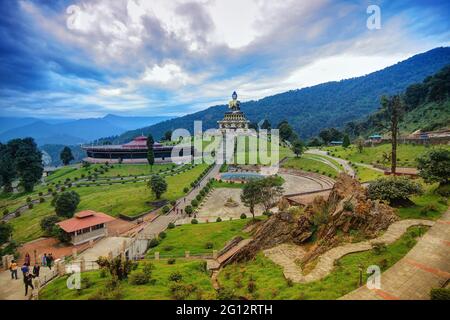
column 310, row 165
column 271, row 284
column 192, row 272
column 194, row 237
column 129, row 199
column 406, row 153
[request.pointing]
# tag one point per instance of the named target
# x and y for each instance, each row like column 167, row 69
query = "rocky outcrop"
column 346, row 211
column 277, row 229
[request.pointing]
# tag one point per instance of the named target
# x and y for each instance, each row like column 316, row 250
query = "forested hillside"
column 331, row 104
column 426, row 107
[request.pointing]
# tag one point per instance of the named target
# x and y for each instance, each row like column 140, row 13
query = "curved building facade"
column 131, row 152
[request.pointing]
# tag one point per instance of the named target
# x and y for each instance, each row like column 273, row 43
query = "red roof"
column 84, row 219
column 138, row 143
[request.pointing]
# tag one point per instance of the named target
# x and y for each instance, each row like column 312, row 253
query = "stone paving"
column 213, row 206
column 15, row 289
column 426, row 266
column 286, row 255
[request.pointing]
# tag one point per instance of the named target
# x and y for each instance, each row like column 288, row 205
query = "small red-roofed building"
column 86, row 226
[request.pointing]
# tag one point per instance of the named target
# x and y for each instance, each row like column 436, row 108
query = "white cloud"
column 167, row 74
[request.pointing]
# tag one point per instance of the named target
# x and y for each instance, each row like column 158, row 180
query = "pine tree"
column 150, row 151
column 66, row 156
column 346, row 141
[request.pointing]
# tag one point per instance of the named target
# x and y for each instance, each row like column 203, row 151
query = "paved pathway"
column 286, row 255
column 160, row 224
column 426, row 266
column 369, row 166
column 347, row 167
column 15, row 289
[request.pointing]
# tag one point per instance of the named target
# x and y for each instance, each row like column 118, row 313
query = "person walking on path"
column 36, row 270
column 25, row 269
column 13, row 268
column 28, row 280
column 27, row 259
column 49, row 261
column 44, row 260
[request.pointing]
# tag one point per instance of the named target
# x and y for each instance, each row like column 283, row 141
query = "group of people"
column 28, row 273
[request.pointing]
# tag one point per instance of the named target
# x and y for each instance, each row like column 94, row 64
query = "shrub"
column 139, row 278
column 194, row 203
column 5, row 212
column 289, row 282
column 40, row 194
column 251, row 286
column 182, row 291
column 243, row 216
column 28, row 199
column 194, row 221
column 440, row 294
column 186, row 190
column 267, row 213
column 171, row 261
column 209, row 245
column 219, row 219
column 102, row 273
column 162, row 235
column 435, row 166
column 153, row 243
column 171, row 225
column 165, row 209
column 189, row 210
column 148, row 268
column 429, row 207
column 393, row 189
column 443, row 190
column 378, row 248
column 30, row 206
column 168, row 248
column 175, row 276
column 41, row 200
column 173, row 202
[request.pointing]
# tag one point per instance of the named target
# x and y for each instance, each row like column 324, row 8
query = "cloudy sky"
column 88, row 58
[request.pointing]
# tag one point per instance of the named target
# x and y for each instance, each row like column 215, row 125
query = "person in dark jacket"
column 25, row 269
column 36, row 270
column 28, row 280
column 49, row 261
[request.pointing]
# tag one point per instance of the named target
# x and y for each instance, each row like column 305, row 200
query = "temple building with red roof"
column 86, row 226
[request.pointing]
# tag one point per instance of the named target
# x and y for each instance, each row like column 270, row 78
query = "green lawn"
column 123, row 170
column 27, row 226
column 429, row 205
column 310, row 165
column 366, row 174
column 223, row 184
column 406, row 153
column 194, row 237
column 271, row 284
column 242, row 153
column 192, row 272
column 136, row 169
column 129, row 199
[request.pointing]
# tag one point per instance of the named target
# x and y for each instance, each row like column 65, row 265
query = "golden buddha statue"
column 235, row 104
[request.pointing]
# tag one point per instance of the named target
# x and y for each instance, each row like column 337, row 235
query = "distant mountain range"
column 71, row 132
column 312, row 109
